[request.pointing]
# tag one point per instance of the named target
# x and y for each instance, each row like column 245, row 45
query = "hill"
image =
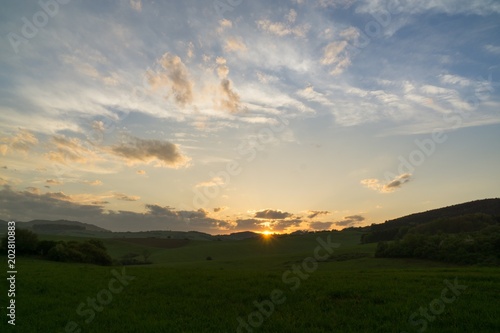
column 391, row 229
column 47, row 226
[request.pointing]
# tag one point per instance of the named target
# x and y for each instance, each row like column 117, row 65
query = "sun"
column 266, row 233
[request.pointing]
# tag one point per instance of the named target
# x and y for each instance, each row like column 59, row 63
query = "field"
column 257, row 285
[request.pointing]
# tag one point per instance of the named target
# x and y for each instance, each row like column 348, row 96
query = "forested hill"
column 392, row 228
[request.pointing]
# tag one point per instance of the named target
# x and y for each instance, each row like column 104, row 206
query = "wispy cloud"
column 136, row 5
column 22, row 141
column 54, row 182
column 93, row 182
column 390, row 186
column 71, row 150
column 234, row 44
column 215, row 181
column 125, row 197
column 313, row 213
column 285, row 28
column 495, row 49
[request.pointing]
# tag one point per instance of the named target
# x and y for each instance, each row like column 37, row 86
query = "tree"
column 44, row 247
column 26, row 242
column 146, row 253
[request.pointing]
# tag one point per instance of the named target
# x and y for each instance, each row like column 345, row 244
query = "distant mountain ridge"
column 80, row 229
column 389, row 229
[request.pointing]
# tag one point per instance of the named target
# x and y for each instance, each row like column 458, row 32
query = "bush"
column 85, row 252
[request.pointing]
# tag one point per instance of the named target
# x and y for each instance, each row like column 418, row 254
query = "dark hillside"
column 394, row 229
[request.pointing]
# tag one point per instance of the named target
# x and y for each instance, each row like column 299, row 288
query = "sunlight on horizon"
column 281, row 115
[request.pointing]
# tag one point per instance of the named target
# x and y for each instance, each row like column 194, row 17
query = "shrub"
column 85, row 252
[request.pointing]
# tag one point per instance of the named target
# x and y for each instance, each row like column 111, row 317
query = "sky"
column 230, row 115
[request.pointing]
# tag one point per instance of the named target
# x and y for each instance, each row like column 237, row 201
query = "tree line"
column 90, row 251
column 467, row 239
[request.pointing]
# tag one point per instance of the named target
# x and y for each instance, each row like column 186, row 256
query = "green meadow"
column 274, row 284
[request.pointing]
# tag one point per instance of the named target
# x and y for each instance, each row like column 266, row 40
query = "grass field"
column 255, row 285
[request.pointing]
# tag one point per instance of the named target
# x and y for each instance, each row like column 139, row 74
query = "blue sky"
column 223, row 116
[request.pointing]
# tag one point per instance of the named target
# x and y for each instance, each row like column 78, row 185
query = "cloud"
column 159, row 210
column 189, row 214
column 224, row 24
column 222, row 69
column 234, row 44
column 493, row 49
column 286, row 28
column 433, row 6
column 190, row 50
column 70, row 150
column 314, row 213
column 93, row 182
column 136, row 5
column 54, row 182
column 219, row 209
column 335, row 3
column 350, row 220
column 320, row 225
column 332, row 51
column 215, row 181
column 391, row 186
column 310, row 94
column 230, row 100
column 398, row 182
column 210, row 224
column 278, row 29
column 175, row 76
column 140, row 172
column 124, row 197
column 84, row 198
column 291, row 16
column 272, row 214
column 98, row 127
column 283, row 29
column 23, row 141
column 335, row 54
column 283, row 225
column 454, row 79
column 249, row 224
column 266, row 78
column 54, row 206
column 137, row 150
column 99, row 202
column 43, row 206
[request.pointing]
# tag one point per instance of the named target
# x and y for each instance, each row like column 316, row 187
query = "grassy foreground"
column 255, row 286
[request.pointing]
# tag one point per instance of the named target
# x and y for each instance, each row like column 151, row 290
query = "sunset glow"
column 262, row 116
